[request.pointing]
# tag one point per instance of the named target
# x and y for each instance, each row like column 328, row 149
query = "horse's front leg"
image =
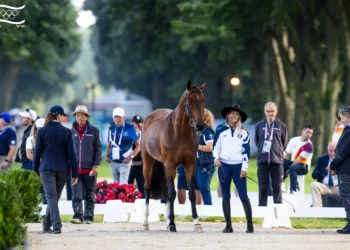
column 170, row 205
column 192, row 197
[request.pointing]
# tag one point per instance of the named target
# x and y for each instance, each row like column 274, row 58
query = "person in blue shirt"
column 231, row 154
column 7, row 142
column 120, row 152
column 205, row 160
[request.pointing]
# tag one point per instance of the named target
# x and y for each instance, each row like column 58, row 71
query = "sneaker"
column 76, row 221
column 87, row 222
column 292, row 193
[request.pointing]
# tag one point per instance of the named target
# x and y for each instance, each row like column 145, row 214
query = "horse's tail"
column 159, row 186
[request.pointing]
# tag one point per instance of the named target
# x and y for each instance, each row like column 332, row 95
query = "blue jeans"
column 203, row 181
column 28, row 165
column 294, row 171
column 228, row 172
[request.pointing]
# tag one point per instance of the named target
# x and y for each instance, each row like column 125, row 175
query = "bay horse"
column 169, row 139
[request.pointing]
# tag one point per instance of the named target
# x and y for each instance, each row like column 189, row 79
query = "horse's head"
column 194, row 105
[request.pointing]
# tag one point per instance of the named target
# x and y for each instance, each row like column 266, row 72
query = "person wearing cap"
column 231, row 151
column 88, row 151
column 54, row 158
column 28, row 118
column 271, row 140
column 119, row 153
column 7, row 142
column 136, row 163
column 30, row 147
column 340, row 165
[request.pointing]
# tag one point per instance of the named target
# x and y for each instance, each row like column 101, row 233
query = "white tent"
column 132, row 103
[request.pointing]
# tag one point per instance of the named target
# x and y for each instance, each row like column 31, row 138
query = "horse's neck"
column 180, row 119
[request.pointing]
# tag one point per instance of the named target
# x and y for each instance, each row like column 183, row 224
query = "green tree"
column 35, row 59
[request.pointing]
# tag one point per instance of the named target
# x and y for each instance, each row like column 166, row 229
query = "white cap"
column 40, row 123
column 29, row 113
column 118, row 112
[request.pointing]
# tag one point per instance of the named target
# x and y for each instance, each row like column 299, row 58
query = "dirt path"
column 130, row 236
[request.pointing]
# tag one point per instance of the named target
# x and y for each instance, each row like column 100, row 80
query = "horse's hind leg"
column 192, row 196
column 147, row 173
column 171, row 173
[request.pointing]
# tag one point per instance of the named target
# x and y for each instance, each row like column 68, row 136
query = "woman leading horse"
column 169, row 139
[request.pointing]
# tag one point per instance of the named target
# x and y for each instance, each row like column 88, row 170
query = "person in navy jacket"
column 231, row 151
column 324, row 184
column 54, row 158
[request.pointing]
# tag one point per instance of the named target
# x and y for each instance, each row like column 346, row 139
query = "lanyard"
column 121, row 134
column 266, row 131
column 2, row 131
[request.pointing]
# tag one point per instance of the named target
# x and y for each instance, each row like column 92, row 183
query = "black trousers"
column 53, row 183
column 86, row 184
column 344, row 190
column 265, row 171
column 136, row 173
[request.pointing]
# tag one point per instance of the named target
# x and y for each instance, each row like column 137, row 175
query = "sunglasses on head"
column 28, row 110
column 308, row 126
column 345, row 109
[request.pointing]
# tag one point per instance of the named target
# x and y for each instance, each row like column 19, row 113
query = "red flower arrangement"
column 114, row 191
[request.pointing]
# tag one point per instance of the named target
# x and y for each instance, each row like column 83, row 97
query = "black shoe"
column 228, row 230
column 248, row 214
column 345, row 230
column 57, row 231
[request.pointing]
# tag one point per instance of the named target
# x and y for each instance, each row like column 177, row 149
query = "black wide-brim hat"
column 237, row 108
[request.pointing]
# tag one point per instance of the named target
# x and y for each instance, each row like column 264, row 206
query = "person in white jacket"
column 231, row 151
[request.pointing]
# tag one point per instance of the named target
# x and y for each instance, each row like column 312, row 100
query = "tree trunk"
column 288, row 105
column 9, row 85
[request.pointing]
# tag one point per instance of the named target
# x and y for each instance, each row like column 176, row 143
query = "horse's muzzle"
column 200, row 126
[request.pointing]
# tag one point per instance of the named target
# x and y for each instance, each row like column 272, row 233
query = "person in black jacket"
column 28, row 117
column 88, row 151
column 136, row 164
column 54, row 158
column 271, row 141
column 341, row 165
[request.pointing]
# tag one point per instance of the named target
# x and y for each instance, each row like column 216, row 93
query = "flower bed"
column 115, row 191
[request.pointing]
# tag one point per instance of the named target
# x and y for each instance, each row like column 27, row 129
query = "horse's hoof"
column 198, row 229
column 172, row 228
column 145, row 228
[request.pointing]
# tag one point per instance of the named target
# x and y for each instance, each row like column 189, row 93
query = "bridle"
column 187, row 108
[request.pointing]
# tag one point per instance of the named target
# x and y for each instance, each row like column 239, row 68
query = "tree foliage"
column 35, row 59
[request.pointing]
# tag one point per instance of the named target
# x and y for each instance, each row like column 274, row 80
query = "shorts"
column 181, row 179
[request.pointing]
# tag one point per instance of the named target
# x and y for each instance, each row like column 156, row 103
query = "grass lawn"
column 105, row 172
column 297, row 223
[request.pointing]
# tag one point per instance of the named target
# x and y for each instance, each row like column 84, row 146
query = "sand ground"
column 131, row 236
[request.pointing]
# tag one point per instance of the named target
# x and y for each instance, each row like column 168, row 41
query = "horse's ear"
column 204, row 85
column 189, row 85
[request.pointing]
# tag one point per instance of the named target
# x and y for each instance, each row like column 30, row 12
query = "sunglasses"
column 345, row 109
column 308, row 126
column 28, row 110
